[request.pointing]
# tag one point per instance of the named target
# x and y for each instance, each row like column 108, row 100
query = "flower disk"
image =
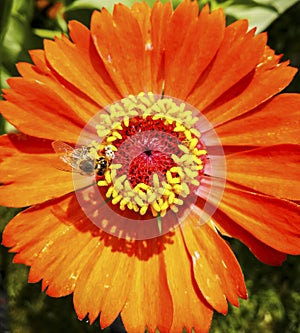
column 142, row 142
column 158, row 155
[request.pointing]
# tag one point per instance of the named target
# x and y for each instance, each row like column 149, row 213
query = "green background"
column 274, row 292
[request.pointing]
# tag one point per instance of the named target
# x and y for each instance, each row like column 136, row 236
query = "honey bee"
column 81, row 159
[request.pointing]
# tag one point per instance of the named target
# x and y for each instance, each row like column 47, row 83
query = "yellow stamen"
column 171, row 198
column 126, row 121
column 179, row 128
column 193, row 143
column 116, row 199
column 188, row 135
column 139, row 201
column 109, row 192
column 142, row 186
column 111, row 138
column 117, row 134
column 175, row 181
column 107, row 177
column 156, row 206
column 102, row 183
column 143, row 210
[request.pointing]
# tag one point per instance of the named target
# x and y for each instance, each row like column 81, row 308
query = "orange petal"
column 149, row 290
column 237, row 56
column 192, row 47
column 190, row 308
column 120, row 45
column 29, row 107
column 271, row 170
column 114, row 292
column 29, row 179
column 79, row 64
column 16, row 143
column 86, row 294
column 65, row 101
column 263, row 252
column 38, row 58
column 61, row 260
column 185, row 15
column 100, row 286
column 265, row 81
column 142, row 13
column 274, row 122
column 67, row 251
column 32, row 230
column 215, row 267
column 270, row 220
column 160, row 19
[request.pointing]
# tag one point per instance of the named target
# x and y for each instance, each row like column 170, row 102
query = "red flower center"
column 146, row 164
column 146, row 147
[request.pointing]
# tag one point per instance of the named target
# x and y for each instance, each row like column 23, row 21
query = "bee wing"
column 61, row 147
column 65, row 152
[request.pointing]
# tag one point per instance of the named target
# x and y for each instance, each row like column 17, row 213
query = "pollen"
column 158, row 157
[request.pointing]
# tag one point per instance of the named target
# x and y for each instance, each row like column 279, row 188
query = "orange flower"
column 51, row 9
column 143, row 100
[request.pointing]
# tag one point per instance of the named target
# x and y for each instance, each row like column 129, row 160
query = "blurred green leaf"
column 97, row 4
column 109, row 4
column 260, row 13
column 19, row 37
column 4, row 75
column 2, row 125
column 14, row 40
column 280, row 5
column 47, row 33
column 5, row 9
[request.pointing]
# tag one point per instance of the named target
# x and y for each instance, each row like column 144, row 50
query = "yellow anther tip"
column 116, row 199
column 143, row 210
column 102, row 183
column 156, row 206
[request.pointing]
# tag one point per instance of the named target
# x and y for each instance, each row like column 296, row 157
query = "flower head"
column 169, row 124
